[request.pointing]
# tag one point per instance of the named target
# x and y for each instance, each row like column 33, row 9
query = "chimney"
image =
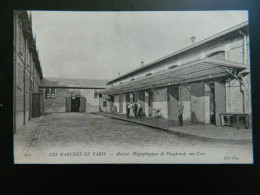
column 193, row 40
column 142, row 63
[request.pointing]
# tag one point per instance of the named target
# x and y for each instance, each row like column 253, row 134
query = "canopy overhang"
column 194, row 71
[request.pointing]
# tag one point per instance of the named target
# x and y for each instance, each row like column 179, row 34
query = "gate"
column 35, row 105
column 82, row 104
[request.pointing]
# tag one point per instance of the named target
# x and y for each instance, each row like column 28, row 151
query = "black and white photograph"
column 132, row 87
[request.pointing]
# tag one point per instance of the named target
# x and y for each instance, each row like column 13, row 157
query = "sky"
column 100, row 45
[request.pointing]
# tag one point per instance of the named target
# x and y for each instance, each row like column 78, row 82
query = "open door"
column 68, row 104
column 82, row 104
column 35, row 105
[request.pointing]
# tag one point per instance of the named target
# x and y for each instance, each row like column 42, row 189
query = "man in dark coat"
column 180, row 110
column 135, row 109
column 127, row 109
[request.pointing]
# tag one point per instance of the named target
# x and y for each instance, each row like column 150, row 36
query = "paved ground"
column 212, row 132
column 71, row 132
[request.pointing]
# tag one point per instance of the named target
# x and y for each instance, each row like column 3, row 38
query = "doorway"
column 173, row 96
column 35, row 105
column 212, row 105
column 148, row 104
column 75, row 104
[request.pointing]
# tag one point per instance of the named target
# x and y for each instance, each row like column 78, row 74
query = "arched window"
column 219, row 55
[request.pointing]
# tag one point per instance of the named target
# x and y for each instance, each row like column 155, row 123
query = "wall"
column 109, row 105
column 122, row 103
column 159, row 101
column 220, row 100
column 116, row 102
column 232, row 45
column 236, row 50
column 185, row 97
column 234, row 96
column 173, row 98
column 197, row 105
column 58, row 104
column 26, row 76
column 92, row 104
column 198, row 102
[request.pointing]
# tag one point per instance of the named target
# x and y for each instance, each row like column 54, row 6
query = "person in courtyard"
column 127, row 109
column 114, row 108
column 131, row 112
column 180, row 111
column 135, row 109
column 139, row 110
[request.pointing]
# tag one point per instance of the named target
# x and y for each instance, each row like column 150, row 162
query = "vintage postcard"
column 132, row 87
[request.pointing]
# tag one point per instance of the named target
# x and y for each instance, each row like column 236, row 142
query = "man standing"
column 135, row 109
column 180, row 110
column 139, row 110
column 127, row 109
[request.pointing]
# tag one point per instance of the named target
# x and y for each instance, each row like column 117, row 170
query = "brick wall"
column 234, row 97
column 58, row 104
column 24, row 70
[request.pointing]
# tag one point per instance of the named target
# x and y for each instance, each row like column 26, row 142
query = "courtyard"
column 43, row 139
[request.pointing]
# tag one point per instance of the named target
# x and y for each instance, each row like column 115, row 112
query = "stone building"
column 70, row 95
column 210, row 77
column 27, row 71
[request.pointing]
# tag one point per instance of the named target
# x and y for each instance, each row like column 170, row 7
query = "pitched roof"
column 198, row 70
column 195, row 45
column 73, row 83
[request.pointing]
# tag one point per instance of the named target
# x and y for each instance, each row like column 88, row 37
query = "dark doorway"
column 212, row 104
column 75, row 104
column 173, row 95
column 121, row 97
column 35, row 105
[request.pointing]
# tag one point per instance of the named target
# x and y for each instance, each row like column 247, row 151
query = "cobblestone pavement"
column 84, row 131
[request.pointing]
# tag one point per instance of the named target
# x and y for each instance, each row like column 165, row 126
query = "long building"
column 70, row 95
column 27, row 71
column 210, row 77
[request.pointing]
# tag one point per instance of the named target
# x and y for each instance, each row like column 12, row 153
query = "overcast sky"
column 99, row 45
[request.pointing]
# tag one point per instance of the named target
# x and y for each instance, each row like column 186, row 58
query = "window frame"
column 49, row 93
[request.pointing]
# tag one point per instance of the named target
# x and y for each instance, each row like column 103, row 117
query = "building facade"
column 27, row 70
column 70, row 95
column 210, row 77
